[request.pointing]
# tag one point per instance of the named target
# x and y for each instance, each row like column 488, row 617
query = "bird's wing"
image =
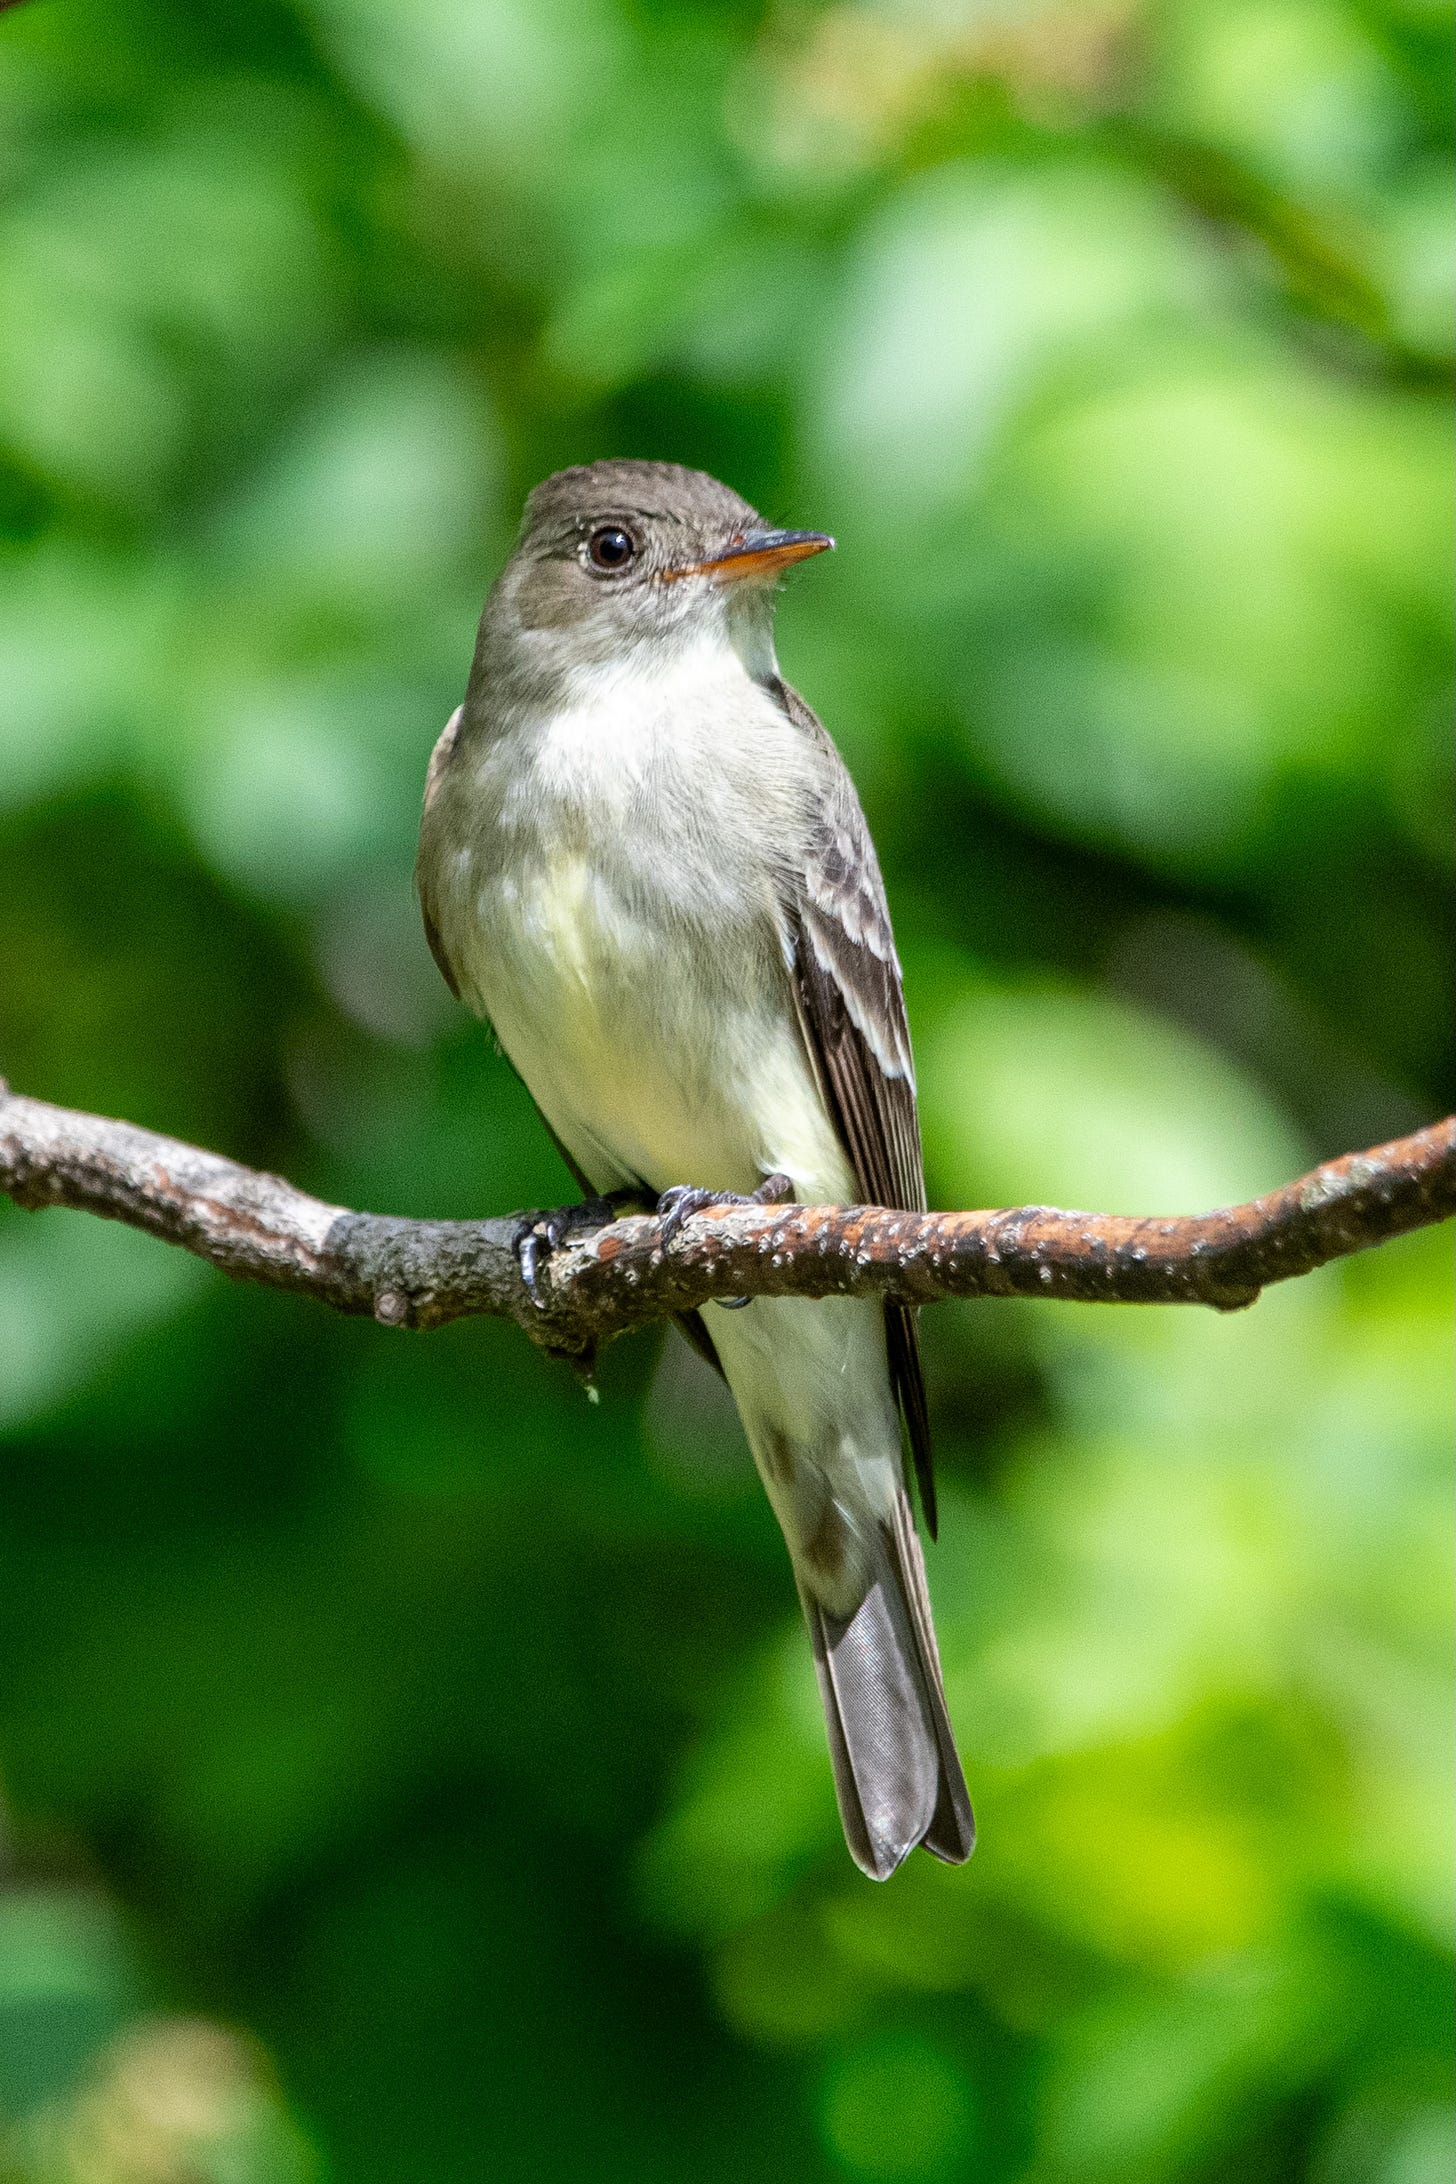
column 440, row 759
column 847, row 987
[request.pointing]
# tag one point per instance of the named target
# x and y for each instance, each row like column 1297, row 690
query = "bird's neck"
column 540, row 673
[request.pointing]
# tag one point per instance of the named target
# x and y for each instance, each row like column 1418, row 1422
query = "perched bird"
column 643, row 860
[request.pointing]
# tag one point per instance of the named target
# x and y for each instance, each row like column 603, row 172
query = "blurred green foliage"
column 411, row 1772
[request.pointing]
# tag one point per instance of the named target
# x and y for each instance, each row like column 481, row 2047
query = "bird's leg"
column 675, row 1206
column 547, row 1228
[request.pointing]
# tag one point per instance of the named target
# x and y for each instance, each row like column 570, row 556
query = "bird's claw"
column 545, row 1230
column 685, row 1199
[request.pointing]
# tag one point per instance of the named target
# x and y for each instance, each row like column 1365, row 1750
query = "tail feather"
column 896, row 1772
column 952, row 1831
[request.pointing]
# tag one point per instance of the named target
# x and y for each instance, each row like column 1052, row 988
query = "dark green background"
column 410, row 1772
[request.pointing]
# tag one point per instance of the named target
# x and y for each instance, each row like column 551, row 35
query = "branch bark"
column 404, row 1273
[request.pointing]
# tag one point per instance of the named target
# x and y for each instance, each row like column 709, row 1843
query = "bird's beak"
column 758, row 553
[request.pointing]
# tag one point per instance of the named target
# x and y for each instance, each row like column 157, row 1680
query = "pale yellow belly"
column 647, row 1071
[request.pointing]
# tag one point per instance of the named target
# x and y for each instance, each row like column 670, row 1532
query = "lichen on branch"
column 404, row 1273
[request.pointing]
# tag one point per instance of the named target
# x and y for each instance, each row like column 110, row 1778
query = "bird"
column 643, row 861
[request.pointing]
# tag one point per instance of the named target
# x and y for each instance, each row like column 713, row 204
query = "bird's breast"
column 632, row 837
column 614, row 907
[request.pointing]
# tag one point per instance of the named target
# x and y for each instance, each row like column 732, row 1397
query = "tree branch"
column 257, row 1227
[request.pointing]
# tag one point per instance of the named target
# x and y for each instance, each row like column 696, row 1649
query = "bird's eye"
column 611, row 547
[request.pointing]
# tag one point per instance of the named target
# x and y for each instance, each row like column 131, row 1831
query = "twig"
column 257, row 1227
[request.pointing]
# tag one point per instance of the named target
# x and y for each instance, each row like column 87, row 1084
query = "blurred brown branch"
column 420, row 1273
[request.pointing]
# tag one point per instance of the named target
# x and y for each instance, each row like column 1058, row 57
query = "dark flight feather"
column 847, row 987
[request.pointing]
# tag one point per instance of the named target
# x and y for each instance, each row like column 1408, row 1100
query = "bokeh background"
column 410, row 1772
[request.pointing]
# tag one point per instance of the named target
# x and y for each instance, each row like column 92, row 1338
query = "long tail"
column 896, row 1773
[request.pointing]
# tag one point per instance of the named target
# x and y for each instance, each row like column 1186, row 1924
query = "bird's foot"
column 685, row 1199
column 545, row 1230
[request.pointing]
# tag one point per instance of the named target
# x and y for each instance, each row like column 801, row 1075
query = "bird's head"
column 624, row 564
